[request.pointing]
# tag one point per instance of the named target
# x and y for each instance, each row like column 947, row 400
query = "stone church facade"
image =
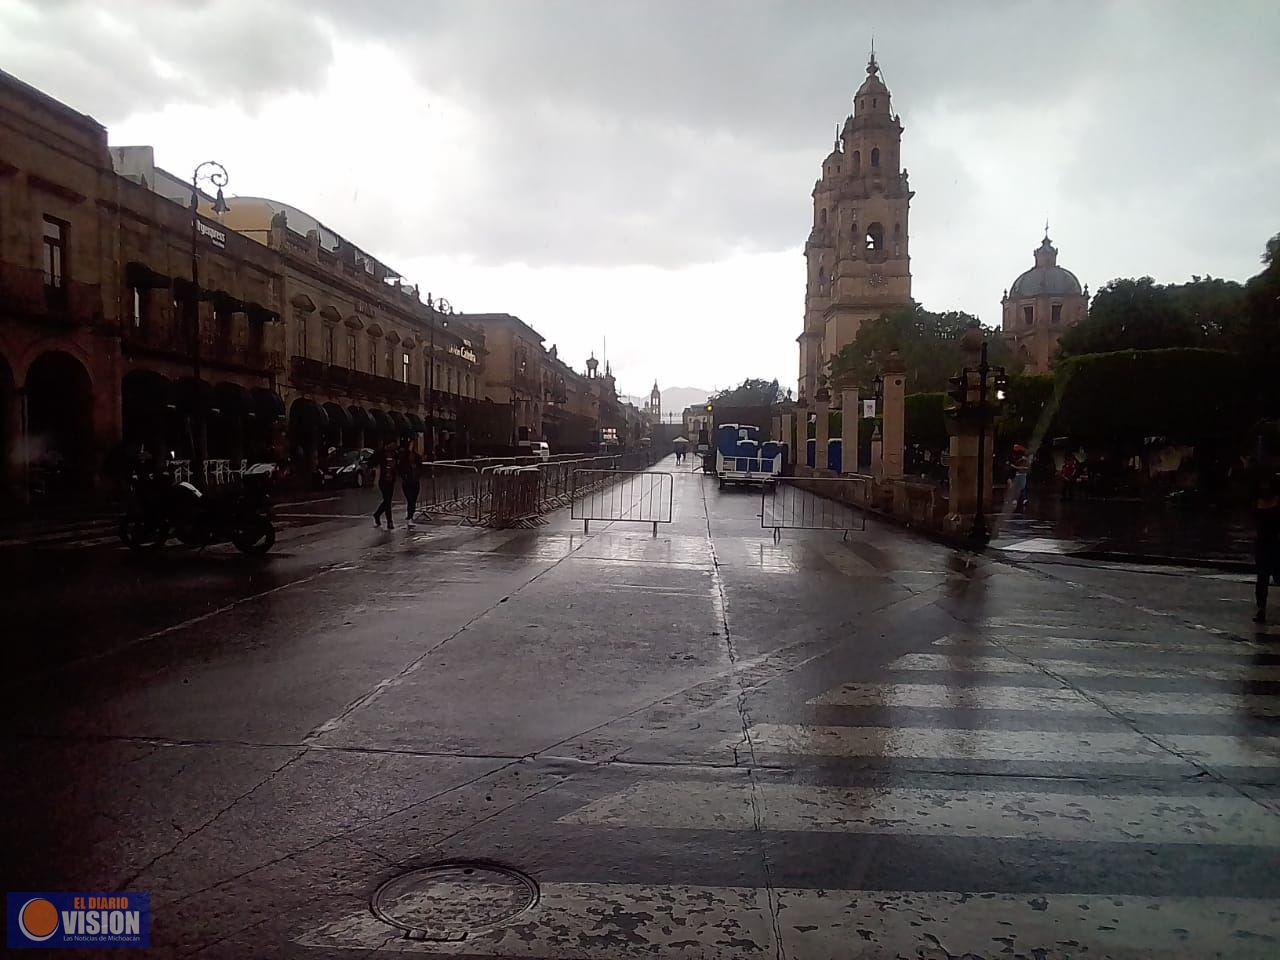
column 1039, row 307
column 857, row 253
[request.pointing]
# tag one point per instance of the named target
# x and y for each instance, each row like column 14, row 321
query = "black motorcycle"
column 161, row 509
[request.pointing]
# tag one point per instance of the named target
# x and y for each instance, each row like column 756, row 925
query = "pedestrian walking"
column 1019, row 467
column 387, row 461
column 1070, row 474
column 410, row 469
column 1267, row 545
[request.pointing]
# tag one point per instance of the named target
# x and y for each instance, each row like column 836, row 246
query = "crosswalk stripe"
column 926, row 696
column 605, row 921
column 928, row 743
column 1071, row 818
column 973, row 663
column 1209, row 647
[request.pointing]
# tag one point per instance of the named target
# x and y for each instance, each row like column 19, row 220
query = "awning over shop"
column 267, row 405
column 233, row 399
column 381, row 423
column 147, row 387
column 182, row 289
column 188, row 392
column 257, row 313
column 226, row 303
column 308, row 414
column 398, row 422
column 360, row 418
column 416, row 424
column 142, row 277
column 338, row 416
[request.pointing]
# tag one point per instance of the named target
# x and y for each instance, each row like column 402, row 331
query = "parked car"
column 350, row 468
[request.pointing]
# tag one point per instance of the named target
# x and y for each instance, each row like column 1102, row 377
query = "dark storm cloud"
column 649, row 131
column 113, row 59
column 667, row 131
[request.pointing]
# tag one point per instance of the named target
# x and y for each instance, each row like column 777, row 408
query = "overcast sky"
column 641, row 171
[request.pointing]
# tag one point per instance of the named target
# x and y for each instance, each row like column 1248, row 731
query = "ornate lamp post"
column 984, row 380
column 216, row 174
column 445, row 308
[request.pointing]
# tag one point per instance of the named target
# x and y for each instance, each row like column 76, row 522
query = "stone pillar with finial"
column 822, row 429
column 850, row 417
column 893, row 418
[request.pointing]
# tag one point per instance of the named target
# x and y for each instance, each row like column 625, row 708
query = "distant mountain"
column 675, row 399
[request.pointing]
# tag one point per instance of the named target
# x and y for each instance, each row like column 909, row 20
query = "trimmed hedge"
column 1184, row 394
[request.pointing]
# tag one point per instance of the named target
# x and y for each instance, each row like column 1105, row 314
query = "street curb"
column 1102, row 556
column 1163, row 560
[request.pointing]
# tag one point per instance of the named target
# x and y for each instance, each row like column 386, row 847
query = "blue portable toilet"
column 747, row 452
column 835, row 450
column 769, row 451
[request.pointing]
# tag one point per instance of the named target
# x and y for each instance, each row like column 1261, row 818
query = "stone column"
column 850, row 404
column 893, row 452
column 822, row 430
column 787, row 435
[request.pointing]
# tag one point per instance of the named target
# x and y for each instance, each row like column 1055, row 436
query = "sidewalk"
column 90, row 522
column 1130, row 532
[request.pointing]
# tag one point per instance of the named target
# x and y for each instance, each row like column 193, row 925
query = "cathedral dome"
column 1046, row 278
column 1054, row 281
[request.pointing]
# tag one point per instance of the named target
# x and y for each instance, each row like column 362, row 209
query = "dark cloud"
column 111, row 60
column 662, row 132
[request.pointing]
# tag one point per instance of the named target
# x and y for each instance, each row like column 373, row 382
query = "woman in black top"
column 387, row 462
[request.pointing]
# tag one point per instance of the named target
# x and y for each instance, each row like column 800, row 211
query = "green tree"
column 928, row 344
column 1186, row 394
column 1255, row 336
column 750, row 393
column 1141, row 314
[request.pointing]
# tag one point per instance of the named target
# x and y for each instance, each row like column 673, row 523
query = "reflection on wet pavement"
column 700, row 743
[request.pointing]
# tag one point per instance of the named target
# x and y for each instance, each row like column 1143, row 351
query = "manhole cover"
column 447, row 901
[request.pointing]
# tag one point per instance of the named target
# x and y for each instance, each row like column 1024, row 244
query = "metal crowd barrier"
column 508, row 496
column 815, row 503
column 513, row 491
column 216, row 472
column 612, row 495
column 450, row 490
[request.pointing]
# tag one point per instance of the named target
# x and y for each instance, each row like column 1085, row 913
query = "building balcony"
column 171, row 343
column 443, row 399
column 305, row 371
column 24, row 292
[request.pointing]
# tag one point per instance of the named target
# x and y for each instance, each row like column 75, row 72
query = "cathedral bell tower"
column 655, row 403
column 856, row 255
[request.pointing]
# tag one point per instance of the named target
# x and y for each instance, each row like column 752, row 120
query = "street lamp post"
column 433, row 306
column 980, row 534
column 995, row 376
column 216, row 174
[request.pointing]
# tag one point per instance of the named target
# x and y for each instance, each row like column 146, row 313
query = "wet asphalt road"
column 699, row 744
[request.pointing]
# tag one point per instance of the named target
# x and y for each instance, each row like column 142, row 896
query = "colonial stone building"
column 100, row 324
column 1040, row 306
column 548, row 399
column 369, row 356
column 857, row 252
column 290, row 338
